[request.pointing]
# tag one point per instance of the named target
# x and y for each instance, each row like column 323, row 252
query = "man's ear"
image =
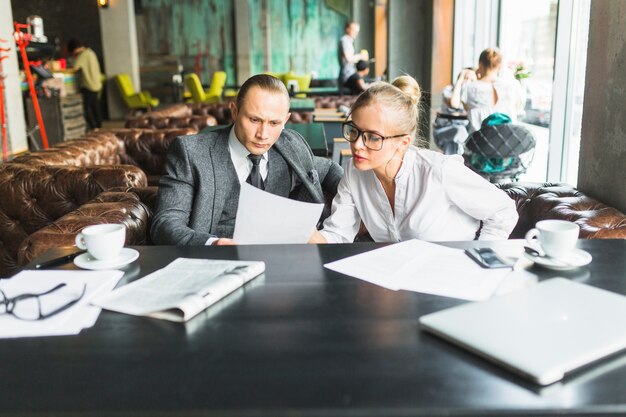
column 287, row 119
column 233, row 109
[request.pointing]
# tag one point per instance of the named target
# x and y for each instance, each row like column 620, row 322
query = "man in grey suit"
column 199, row 192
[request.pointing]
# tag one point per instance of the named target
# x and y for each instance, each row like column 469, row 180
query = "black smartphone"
column 487, row 258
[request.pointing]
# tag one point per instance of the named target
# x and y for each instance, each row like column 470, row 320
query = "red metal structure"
column 22, row 39
column 3, row 117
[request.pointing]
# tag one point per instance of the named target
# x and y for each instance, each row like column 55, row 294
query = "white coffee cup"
column 556, row 237
column 103, row 241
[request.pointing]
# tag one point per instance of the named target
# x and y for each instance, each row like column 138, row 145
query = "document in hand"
column 284, row 220
column 419, row 266
column 182, row 289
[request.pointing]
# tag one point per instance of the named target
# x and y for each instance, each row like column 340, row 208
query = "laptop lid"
column 542, row 332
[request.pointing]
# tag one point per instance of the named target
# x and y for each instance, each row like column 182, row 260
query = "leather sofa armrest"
column 108, row 207
column 542, row 201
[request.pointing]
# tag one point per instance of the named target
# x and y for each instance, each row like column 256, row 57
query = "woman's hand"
column 317, row 237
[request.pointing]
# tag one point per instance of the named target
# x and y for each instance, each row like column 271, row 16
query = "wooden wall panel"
column 303, row 36
column 298, row 35
column 199, row 33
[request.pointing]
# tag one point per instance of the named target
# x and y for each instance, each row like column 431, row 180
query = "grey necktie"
column 255, row 178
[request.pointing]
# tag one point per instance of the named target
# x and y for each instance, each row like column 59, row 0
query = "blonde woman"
column 487, row 94
column 402, row 192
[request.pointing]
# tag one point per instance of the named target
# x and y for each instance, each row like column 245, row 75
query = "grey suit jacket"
column 192, row 192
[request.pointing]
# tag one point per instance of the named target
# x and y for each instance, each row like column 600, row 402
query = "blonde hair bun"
column 409, row 87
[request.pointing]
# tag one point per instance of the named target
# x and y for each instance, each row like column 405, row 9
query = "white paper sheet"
column 70, row 322
column 265, row 218
column 423, row 267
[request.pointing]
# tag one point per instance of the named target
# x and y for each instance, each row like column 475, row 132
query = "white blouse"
column 478, row 96
column 437, row 199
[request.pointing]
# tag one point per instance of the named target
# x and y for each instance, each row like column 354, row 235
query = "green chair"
column 304, row 82
column 279, row 75
column 135, row 101
column 213, row 94
column 313, row 134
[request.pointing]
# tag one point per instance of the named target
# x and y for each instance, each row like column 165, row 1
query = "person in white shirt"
column 489, row 93
column 400, row 191
column 346, row 54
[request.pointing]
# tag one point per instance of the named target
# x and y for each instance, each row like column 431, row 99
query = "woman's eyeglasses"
column 372, row 141
column 31, row 306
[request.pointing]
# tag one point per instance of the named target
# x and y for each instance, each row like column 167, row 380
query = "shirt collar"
column 238, row 152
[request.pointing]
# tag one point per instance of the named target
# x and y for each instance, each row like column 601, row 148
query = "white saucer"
column 126, row 256
column 577, row 258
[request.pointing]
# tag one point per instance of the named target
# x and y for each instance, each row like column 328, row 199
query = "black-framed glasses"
column 29, row 306
column 371, row 140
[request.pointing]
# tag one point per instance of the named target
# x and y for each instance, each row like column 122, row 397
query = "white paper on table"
column 265, row 218
column 70, row 322
column 425, row 267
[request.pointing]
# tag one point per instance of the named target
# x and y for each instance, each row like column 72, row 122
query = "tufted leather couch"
column 333, row 102
column 541, row 201
column 39, row 203
column 193, row 121
column 144, row 148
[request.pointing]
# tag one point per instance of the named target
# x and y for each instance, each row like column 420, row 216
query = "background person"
column 90, row 81
column 347, row 57
column 356, row 83
column 401, row 192
column 199, row 192
column 489, row 93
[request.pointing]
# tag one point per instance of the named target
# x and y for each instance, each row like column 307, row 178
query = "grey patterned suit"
column 199, row 186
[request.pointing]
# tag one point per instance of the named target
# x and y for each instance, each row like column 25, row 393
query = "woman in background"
column 402, row 192
column 486, row 93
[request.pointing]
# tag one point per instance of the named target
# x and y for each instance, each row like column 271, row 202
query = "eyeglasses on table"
column 31, row 306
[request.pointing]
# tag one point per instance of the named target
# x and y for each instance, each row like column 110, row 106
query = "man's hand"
column 224, row 242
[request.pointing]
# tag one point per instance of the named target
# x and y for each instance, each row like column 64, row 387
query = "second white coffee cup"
column 103, row 241
column 556, row 237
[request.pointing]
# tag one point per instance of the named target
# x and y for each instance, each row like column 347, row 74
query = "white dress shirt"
column 437, row 198
column 243, row 164
column 239, row 156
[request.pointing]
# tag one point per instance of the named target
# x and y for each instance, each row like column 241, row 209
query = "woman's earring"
column 396, row 158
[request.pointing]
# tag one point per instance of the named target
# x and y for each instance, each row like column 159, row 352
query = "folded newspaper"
column 182, row 289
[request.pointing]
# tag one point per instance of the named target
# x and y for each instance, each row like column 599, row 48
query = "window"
column 548, row 39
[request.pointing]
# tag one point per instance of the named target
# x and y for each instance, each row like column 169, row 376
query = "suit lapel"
column 220, row 161
column 309, row 179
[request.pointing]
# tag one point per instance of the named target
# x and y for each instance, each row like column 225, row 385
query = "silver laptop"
column 541, row 333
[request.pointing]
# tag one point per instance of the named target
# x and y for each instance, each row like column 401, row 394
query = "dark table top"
column 299, row 341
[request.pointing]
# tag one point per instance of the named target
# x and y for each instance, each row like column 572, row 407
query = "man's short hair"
column 73, row 44
column 350, row 23
column 361, row 65
column 265, row 82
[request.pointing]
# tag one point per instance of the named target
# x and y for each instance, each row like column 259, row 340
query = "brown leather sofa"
column 333, row 102
column 144, row 148
column 42, row 203
column 541, row 201
column 174, row 116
